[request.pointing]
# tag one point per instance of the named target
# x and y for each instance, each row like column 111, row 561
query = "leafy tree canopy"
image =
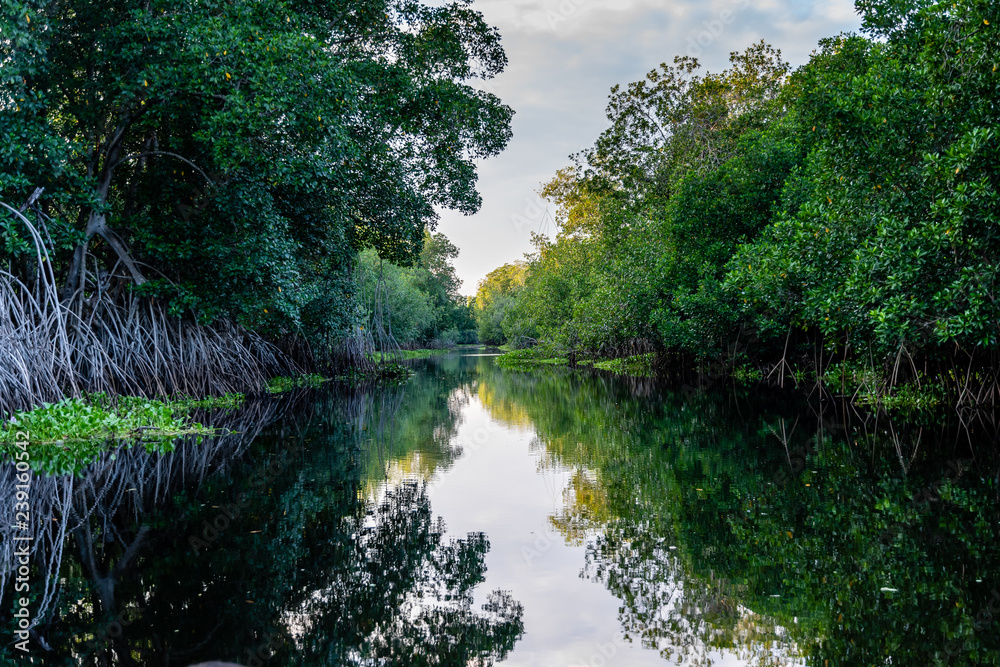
column 232, row 157
column 761, row 215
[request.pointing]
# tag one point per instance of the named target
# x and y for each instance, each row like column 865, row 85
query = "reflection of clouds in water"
column 588, row 430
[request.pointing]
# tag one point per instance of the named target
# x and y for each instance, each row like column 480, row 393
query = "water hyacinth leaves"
column 66, row 436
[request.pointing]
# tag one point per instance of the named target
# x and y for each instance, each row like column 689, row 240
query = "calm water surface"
column 478, row 516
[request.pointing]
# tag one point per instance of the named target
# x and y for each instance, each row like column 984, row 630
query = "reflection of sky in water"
column 505, row 485
column 608, row 503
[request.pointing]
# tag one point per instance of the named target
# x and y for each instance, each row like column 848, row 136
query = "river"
column 473, row 515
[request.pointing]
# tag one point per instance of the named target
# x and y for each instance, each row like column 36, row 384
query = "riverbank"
column 639, row 365
column 864, row 387
column 423, row 353
column 67, row 435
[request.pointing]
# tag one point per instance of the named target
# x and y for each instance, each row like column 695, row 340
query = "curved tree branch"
column 183, row 159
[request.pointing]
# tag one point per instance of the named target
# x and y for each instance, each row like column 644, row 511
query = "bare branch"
column 183, row 159
column 31, row 200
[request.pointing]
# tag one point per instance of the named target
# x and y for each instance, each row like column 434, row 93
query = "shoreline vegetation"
column 256, row 199
column 859, row 387
column 68, row 434
column 640, row 365
column 832, row 226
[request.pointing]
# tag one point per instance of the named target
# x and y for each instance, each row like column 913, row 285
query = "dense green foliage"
column 231, row 159
column 847, row 211
column 528, row 357
column 497, row 320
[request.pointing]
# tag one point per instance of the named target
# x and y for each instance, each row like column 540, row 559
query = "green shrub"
column 640, row 365
column 527, row 357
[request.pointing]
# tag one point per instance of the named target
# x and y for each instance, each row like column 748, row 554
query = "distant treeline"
column 839, row 220
column 418, row 305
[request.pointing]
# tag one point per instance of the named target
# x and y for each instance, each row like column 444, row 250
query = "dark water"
column 475, row 516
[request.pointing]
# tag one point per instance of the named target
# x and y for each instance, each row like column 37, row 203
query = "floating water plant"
column 65, row 436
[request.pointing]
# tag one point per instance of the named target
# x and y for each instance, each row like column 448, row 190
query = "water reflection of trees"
column 310, row 569
column 99, row 513
column 669, row 607
column 397, row 594
column 409, row 434
column 770, row 527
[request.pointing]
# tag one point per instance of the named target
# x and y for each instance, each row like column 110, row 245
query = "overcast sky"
column 565, row 55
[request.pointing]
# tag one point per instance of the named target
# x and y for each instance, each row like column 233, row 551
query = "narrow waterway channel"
column 473, row 515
